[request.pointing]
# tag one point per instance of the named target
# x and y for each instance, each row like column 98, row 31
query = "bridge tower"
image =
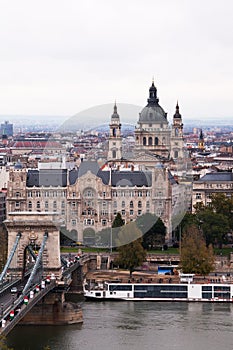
column 33, row 229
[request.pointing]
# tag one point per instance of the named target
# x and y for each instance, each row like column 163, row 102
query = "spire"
column 115, row 115
column 152, row 100
column 115, row 108
column 177, row 114
column 201, row 137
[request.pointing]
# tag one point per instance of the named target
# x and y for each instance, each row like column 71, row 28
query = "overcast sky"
column 60, row 57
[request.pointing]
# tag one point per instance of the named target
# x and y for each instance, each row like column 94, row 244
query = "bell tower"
column 177, row 140
column 201, row 142
column 115, row 139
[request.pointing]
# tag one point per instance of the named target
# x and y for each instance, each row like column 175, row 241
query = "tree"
column 215, row 227
column 132, row 254
column 223, row 205
column 153, row 229
column 118, row 221
column 196, row 257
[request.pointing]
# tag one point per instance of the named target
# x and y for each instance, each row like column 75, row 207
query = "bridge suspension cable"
column 18, row 236
column 38, row 261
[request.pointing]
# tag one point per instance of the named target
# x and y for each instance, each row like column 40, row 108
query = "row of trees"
column 209, row 227
column 215, row 221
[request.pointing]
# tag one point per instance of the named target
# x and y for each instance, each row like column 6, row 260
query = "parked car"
column 14, row 290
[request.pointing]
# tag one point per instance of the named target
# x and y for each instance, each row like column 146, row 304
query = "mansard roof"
column 216, row 177
column 47, row 178
column 131, row 178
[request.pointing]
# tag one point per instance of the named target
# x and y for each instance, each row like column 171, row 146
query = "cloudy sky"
column 60, row 57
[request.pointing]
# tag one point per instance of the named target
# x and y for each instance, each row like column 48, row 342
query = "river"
column 135, row 325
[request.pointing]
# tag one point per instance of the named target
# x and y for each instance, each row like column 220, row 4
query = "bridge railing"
column 24, row 309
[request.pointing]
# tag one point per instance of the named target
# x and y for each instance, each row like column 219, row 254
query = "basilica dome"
column 153, row 112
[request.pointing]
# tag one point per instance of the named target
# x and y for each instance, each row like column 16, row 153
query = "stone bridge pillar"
column 32, row 226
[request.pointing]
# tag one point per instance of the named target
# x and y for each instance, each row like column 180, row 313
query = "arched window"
column 123, row 204
column 113, row 154
column 29, row 205
column 150, row 141
column 144, row 141
column 114, row 132
column 38, row 204
column 176, row 154
column 156, row 141
column 131, row 204
column 139, row 204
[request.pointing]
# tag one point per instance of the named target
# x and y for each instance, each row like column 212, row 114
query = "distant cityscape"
column 88, row 175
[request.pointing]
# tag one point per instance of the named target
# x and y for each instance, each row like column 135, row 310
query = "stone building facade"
column 210, row 184
column 90, row 197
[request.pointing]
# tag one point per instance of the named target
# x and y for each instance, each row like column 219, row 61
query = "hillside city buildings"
column 87, row 179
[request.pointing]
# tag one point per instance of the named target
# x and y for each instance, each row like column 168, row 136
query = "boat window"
column 120, row 287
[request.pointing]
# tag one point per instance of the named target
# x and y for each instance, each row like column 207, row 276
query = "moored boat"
column 186, row 290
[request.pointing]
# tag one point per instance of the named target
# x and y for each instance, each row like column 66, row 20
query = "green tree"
column 196, row 257
column 221, row 204
column 153, row 229
column 118, row 221
column 215, row 227
column 132, row 254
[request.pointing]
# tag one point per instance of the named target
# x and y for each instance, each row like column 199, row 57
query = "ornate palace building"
column 90, row 196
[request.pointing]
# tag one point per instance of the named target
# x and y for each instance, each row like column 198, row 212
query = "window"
column 150, row 141
column 176, row 154
column 38, row 205
column 104, row 194
column 131, row 204
column 114, row 154
column 131, row 212
column 104, row 222
column 123, row 212
column 198, row 195
column 30, row 194
column 89, row 193
column 139, row 194
column 46, row 204
column 46, row 194
column 73, row 222
column 89, row 222
column 73, row 194
column 63, row 204
column 54, row 204
column 144, row 141
column 139, row 212
column 139, row 204
column 156, row 141
column 73, row 205
column 115, row 204
column 123, row 204
column 18, row 194
column 29, row 205
column 37, row 193
column 148, row 204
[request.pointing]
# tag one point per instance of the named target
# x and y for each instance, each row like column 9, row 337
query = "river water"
column 135, row 325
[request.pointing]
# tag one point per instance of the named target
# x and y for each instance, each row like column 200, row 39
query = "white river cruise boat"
column 187, row 290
